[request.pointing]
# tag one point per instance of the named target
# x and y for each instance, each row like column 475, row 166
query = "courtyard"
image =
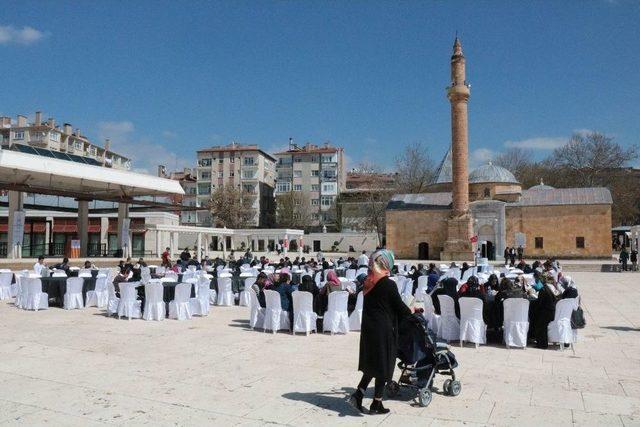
column 81, row 368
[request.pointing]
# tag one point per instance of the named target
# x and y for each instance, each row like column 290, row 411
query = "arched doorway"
column 423, row 250
column 486, row 238
column 488, row 250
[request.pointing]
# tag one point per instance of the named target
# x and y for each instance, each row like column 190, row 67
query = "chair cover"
column 516, row 322
column 244, row 295
column 5, row 285
column 355, row 319
column 433, row 319
column 472, row 326
column 304, row 318
column 171, row 275
column 449, row 328
column 114, row 301
column 200, row 304
column 192, row 268
column 351, row 274
column 35, row 299
column 84, row 272
column 256, row 319
column 14, row 286
column 421, row 289
column 99, row 297
column 73, row 296
column 336, row 318
column 180, row 307
column 58, row 273
column 145, row 275
column 275, row 318
column 559, row 330
column 225, row 295
column 154, row 308
column 129, row 305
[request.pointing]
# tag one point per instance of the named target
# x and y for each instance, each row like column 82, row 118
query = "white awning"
column 34, row 173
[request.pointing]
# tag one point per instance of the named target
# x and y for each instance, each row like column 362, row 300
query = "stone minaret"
column 459, row 227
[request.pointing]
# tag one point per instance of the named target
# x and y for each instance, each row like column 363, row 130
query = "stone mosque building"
column 487, row 210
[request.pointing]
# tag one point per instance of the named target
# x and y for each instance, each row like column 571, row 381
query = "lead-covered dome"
column 492, row 173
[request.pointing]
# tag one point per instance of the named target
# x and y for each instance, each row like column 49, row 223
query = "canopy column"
column 15, row 224
column 123, row 228
column 300, row 245
column 285, row 244
column 199, row 247
column 83, row 227
column 158, row 244
column 104, row 235
column 224, row 247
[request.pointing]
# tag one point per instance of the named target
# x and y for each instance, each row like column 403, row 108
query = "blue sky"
column 163, row 79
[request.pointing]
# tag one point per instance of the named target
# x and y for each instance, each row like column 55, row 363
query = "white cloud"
column 115, row 131
column 480, row 156
column 169, row 134
column 540, row 143
column 25, row 36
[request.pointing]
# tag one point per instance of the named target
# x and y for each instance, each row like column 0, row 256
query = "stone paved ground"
column 81, row 368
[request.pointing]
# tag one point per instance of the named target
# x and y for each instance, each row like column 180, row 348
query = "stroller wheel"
column 455, row 387
column 446, row 386
column 393, row 389
column 424, row 397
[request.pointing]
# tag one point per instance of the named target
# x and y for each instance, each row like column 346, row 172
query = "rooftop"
column 326, row 148
column 233, row 147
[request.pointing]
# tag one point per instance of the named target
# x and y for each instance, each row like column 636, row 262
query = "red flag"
column 474, row 239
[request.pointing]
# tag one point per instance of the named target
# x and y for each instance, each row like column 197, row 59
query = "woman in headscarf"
column 382, row 310
column 448, row 286
column 333, row 282
column 544, row 311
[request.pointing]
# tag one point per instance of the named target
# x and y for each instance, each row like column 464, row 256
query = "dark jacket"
column 285, row 291
column 382, row 310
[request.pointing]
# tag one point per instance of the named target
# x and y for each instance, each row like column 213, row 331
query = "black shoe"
column 376, row 408
column 355, row 400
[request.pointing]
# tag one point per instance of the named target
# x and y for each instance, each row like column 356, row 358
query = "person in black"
column 634, row 260
column 308, row 285
column 506, row 255
column 382, row 310
column 520, row 252
column 185, row 255
column 506, row 289
column 448, row 286
column 64, row 265
column 543, row 313
column 624, row 258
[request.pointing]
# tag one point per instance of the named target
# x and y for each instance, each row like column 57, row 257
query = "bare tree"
column 231, row 207
column 415, row 169
column 516, row 160
column 293, row 210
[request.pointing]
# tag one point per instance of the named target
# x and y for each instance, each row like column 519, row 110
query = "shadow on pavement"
column 332, row 400
column 621, row 328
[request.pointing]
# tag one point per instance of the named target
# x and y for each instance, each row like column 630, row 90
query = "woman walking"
column 382, row 310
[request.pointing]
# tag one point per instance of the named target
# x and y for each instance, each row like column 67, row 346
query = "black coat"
column 382, row 310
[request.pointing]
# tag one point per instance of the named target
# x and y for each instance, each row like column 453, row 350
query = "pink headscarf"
column 332, row 278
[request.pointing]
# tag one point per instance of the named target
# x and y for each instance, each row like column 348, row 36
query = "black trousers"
column 379, row 385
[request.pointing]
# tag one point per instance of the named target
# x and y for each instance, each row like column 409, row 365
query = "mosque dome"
column 542, row 186
column 492, row 173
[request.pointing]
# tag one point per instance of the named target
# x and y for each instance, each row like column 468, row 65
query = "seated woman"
column 543, row 311
column 449, row 287
column 307, row 285
column 506, row 289
column 471, row 289
column 283, row 287
column 332, row 284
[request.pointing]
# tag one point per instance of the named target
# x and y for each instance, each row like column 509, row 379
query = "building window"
column 205, row 162
column 315, row 172
column 580, row 242
column 297, row 174
column 204, row 189
column 315, row 187
column 205, row 175
column 315, row 202
column 283, row 187
column 232, row 159
column 487, row 193
column 232, row 174
column 315, row 216
column 329, row 188
column 328, row 158
column 297, row 159
column 220, row 174
column 248, row 161
column 18, row 135
column 297, row 187
column 54, row 136
column 539, row 243
column 327, row 200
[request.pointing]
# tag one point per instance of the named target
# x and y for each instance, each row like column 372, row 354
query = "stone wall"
column 559, row 226
column 406, row 229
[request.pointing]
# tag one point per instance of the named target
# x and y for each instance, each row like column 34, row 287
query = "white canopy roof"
column 39, row 174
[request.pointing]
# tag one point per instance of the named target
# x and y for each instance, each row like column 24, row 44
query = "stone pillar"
column 16, row 203
column 104, row 234
column 300, row 245
column 158, row 244
column 199, row 247
column 285, row 244
column 83, row 227
column 224, row 247
column 459, row 226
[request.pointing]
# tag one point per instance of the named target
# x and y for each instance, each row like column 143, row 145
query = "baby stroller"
column 421, row 358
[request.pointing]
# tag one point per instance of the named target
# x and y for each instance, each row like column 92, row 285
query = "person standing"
column 520, row 253
column 624, row 258
column 512, row 256
column 634, row 260
column 363, row 260
column 381, row 312
column 39, row 266
column 165, row 258
column 506, row 255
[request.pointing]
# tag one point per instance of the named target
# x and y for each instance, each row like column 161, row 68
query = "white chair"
column 34, row 299
column 336, row 318
column 449, row 328
column 99, row 297
column 15, row 285
column 73, row 296
column 5, row 285
column 350, row 274
column 192, row 268
column 84, row 272
column 559, row 330
column 256, row 319
column 180, row 307
column 154, row 306
column 516, row 322
column 129, row 305
column 58, row 273
column 107, row 272
column 421, row 289
column 362, row 270
column 304, row 318
column 200, row 304
column 433, row 319
column 145, row 275
column 113, row 301
column 225, row 295
column 472, row 326
column 171, row 276
column 244, row 295
column 275, row 318
column 355, row 319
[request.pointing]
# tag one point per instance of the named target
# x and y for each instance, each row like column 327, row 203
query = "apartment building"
column 318, row 172
column 189, row 184
column 246, row 167
column 21, row 135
